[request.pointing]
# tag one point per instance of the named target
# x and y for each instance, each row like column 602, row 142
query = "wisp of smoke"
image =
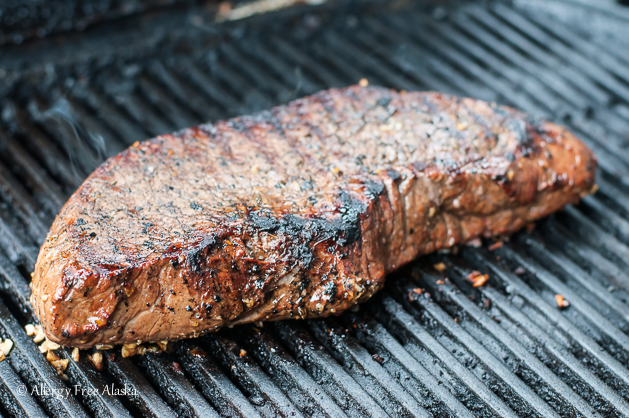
column 85, row 149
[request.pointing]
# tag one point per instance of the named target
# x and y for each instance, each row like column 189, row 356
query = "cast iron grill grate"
column 500, row 350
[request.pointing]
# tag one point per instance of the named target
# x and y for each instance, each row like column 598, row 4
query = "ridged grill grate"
column 504, row 349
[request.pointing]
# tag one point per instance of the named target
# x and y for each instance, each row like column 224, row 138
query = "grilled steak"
column 296, row 212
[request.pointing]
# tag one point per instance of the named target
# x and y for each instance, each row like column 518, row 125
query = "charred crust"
column 343, row 230
column 196, row 256
column 394, row 175
column 384, row 101
column 373, row 189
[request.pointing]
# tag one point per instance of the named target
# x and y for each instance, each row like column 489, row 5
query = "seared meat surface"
column 296, row 212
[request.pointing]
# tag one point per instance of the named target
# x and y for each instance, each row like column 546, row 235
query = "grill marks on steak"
column 299, row 211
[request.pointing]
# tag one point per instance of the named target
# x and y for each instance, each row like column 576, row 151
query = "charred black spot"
column 535, row 122
column 196, row 255
column 304, row 255
column 65, row 334
column 350, row 209
column 374, row 188
column 264, row 223
column 394, row 175
column 217, row 298
column 300, row 232
column 384, row 101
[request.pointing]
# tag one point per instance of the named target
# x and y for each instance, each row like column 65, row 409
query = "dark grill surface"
column 504, row 349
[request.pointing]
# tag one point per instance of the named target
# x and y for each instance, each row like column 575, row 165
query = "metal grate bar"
column 367, row 62
column 262, row 391
column 518, row 287
column 349, row 395
column 140, row 393
column 580, row 374
column 164, row 104
column 44, row 191
column 186, row 97
column 175, row 387
column 586, row 256
column 212, row 382
column 22, row 204
column 576, row 277
column 16, row 402
column 489, row 79
column 345, row 71
column 433, row 395
column 304, row 62
column 113, row 117
column 584, row 227
column 288, row 375
column 95, row 392
column 411, row 60
column 518, row 350
column 251, row 99
column 576, row 56
column 15, row 251
column 420, row 336
column 367, row 372
column 251, row 69
column 33, row 367
column 137, row 110
column 39, row 145
column 538, row 54
column 518, row 392
column 285, row 71
column 612, row 222
column 475, row 42
column 558, row 352
column 558, row 287
column 207, row 85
